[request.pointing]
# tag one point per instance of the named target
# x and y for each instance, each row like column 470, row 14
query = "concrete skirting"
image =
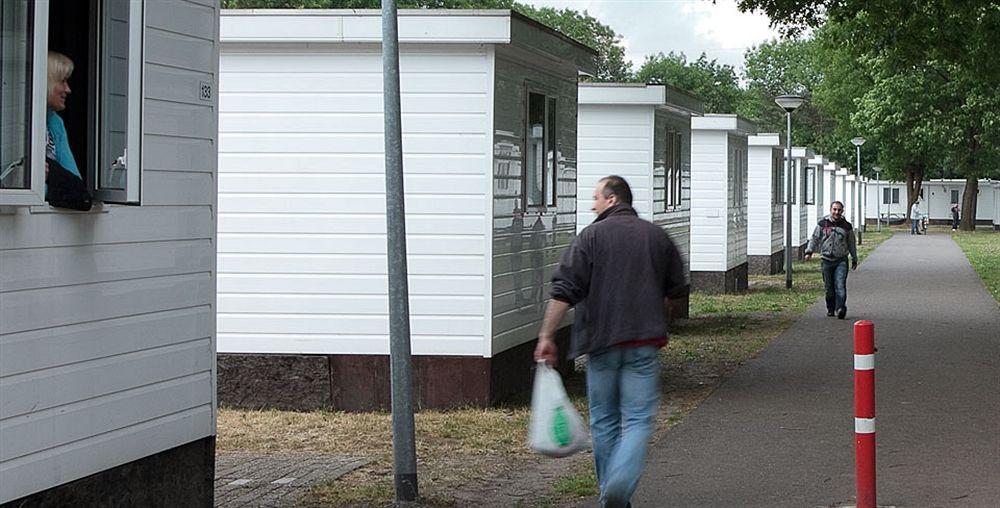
column 181, row 476
column 733, row 280
column 767, row 265
column 363, row 382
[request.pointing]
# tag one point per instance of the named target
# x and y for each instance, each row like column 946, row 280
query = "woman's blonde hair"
column 60, row 68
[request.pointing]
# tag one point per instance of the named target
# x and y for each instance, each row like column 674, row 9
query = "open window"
column 103, row 109
column 541, row 153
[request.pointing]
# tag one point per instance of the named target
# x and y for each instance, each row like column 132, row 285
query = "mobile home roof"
column 429, row 26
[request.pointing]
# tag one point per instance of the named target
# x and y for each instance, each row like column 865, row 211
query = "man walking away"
column 915, row 218
column 619, row 274
column 834, row 238
column 954, row 217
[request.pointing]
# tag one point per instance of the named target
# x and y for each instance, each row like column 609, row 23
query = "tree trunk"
column 969, row 202
column 914, row 181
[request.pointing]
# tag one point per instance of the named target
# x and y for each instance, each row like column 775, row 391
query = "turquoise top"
column 58, row 143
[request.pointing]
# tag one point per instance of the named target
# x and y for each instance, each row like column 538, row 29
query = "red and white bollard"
column 864, row 411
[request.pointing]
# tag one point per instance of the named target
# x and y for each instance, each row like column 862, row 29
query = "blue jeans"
column 623, row 385
column 914, row 226
column 835, row 280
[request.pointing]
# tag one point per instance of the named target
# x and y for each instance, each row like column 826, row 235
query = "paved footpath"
column 780, row 431
column 261, row 480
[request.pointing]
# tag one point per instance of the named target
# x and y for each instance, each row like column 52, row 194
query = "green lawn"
column 983, row 250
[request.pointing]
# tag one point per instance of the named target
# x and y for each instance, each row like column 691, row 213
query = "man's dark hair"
column 615, row 185
column 837, row 203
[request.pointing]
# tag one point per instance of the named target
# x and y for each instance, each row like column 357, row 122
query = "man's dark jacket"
column 616, row 274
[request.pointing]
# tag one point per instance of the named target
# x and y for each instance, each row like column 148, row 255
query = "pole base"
column 406, row 487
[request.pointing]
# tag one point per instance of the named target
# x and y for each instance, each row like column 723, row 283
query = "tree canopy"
column 715, row 83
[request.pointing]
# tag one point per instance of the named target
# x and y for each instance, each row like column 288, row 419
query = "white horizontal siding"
column 302, row 243
column 526, row 243
column 764, row 232
column 614, row 140
column 800, row 210
column 736, row 239
column 107, row 330
column 709, row 196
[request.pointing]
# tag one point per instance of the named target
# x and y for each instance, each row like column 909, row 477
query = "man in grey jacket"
column 619, row 274
column 834, row 238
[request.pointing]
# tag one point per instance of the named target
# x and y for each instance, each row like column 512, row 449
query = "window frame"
column 810, row 183
column 549, row 180
column 131, row 194
column 956, row 197
column 34, row 194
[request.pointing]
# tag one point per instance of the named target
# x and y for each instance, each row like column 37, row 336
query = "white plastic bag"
column 556, row 428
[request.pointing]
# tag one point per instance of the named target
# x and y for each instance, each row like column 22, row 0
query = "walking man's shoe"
column 841, row 313
column 829, row 313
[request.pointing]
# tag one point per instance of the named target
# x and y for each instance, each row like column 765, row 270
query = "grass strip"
column 983, row 250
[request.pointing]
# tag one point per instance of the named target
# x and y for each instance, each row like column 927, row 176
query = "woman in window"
column 57, row 145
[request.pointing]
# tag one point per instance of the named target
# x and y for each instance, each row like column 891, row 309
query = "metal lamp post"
column 859, row 220
column 788, row 103
column 403, row 440
column 878, row 199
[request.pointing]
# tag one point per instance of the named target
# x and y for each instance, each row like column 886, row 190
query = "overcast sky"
column 689, row 26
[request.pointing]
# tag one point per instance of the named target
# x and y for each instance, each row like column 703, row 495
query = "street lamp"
column 859, row 220
column 878, row 199
column 788, row 103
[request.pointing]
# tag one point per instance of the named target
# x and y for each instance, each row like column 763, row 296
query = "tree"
column 715, row 83
column 611, row 62
column 935, row 71
column 777, row 67
column 582, row 27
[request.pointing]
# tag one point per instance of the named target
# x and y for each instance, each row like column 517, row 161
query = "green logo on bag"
column 560, row 428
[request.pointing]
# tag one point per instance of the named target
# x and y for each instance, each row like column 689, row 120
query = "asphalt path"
column 780, row 431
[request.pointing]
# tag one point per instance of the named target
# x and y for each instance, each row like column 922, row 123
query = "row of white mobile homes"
column 502, row 149
column 888, row 200
column 107, row 316
column 489, row 102
column 643, row 134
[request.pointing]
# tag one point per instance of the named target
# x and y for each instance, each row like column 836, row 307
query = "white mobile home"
column 642, row 133
column 851, row 199
column 890, row 198
column 830, row 170
column 840, row 186
column 817, row 165
column 489, row 101
column 996, row 205
column 765, row 204
column 719, row 203
column 803, row 197
column 107, row 316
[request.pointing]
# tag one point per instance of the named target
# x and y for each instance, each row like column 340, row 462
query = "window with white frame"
column 778, row 180
column 89, row 115
column 541, row 154
column 739, row 177
column 678, row 170
column 954, row 196
column 810, row 195
column 673, row 173
column 890, row 196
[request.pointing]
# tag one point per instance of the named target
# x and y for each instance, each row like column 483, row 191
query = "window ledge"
column 98, row 208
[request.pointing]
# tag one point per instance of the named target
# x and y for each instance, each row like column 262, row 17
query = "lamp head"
column 789, row 102
column 858, row 141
